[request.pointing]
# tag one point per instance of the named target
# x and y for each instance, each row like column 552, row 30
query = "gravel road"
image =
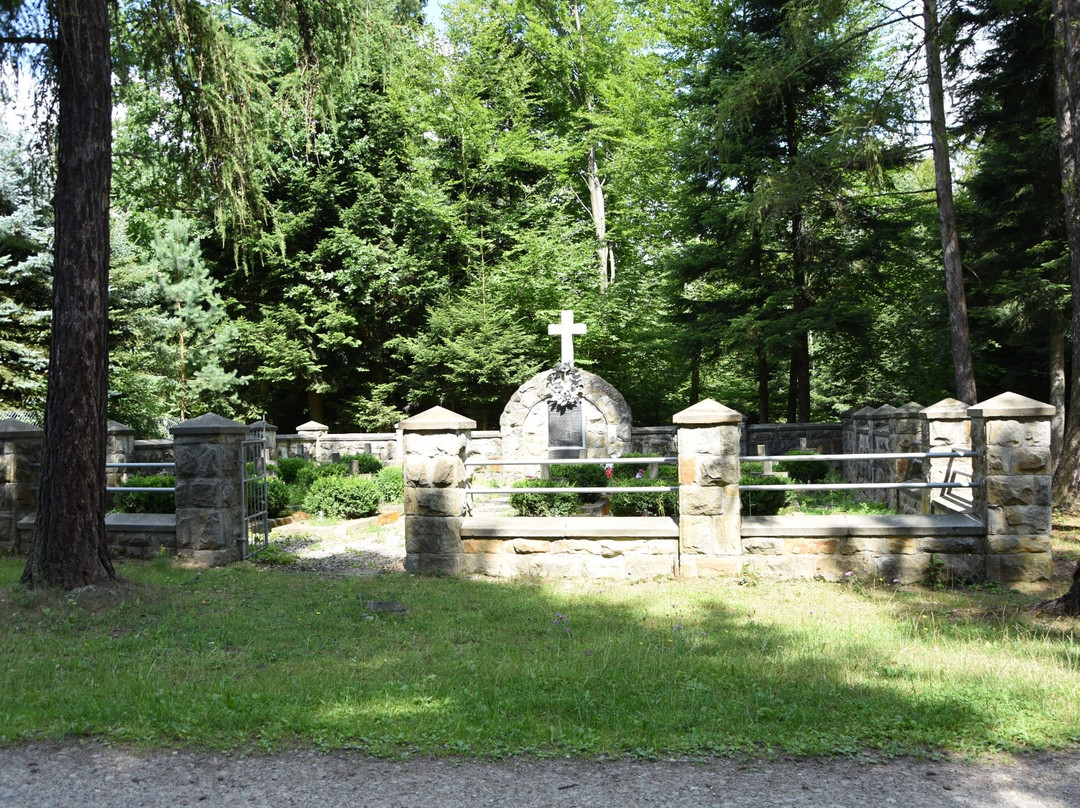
column 74, row 776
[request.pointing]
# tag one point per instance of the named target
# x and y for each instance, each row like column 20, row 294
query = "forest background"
column 736, row 197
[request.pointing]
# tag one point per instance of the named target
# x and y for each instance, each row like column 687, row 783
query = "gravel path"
column 89, row 774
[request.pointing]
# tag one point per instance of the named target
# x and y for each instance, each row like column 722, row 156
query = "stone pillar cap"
column 437, row 419
column 209, row 424
column 908, row 410
column 263, row 424
column 1012, row 405
column 706, row 413
column 947, row 409
column 862, row 412
column 313, row 426
column 882, row 411
column 14, row 428
column 116, row 426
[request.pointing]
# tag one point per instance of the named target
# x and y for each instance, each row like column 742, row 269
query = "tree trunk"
column 69, row 548
column 1058, row 393
column 799, row 395
column 1067, row 104
column 964, row 369
column 605, row 255
column 763, row 385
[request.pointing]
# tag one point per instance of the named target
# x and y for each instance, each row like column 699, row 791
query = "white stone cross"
column 566, row 329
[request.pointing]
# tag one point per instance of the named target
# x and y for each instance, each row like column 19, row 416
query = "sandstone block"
column 762, row 545
column 709, row 440
column 434, row 501
column 1029, row 460
column 487, row 546
column 719, row 470
column 1017, row 567
column 530, row 546
column 951, row 545
column 1003, row 545
column 202, row 529
column 433, row 535
column 645, row 567
column 809, row 546
column 709, row 535
column 1004, row 433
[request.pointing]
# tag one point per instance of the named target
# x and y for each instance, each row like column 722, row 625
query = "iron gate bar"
column 254, row 516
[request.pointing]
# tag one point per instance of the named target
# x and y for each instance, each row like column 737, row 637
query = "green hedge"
column 391, row 483
column 289, row 468
column 277, row 497
column 340, row 497
column 145, row 501
column 365, row 463
column 804, row 471
column 544, row 504
column 642, row 503
column 762, row 503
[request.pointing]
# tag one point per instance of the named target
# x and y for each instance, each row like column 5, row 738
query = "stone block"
column 952, row 545
column 530, row 546
column 202, row 460
column 437, row 472
column 1004, row 433
column 701, row 566
column 496, row 565
column 906, row 545
column 435, row 444
column 1017, row 567
column 809, row 546
column 848, row 545
column 688, row 470
column 433, row 535
column 1016, row 490
column 202, row 529
column 903, row 569
column 782, row 567
column 966, row 568
column 1029, row 519
column 439, row 563
column 697, row 500
column 199, row 493
column 710, row 440
column 209, row 558
column 1029, row 460
column 599, row 567
column 718, row 470
column 997, row 544
column 434, row 501
column 710, row 535
column 645, row 567
column 487, row 546
column 762, row 545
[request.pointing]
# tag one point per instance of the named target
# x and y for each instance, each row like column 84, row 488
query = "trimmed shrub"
column 341, row 497
column 289, row 467
column 627, row 502
column 805, row 471
column 391, row 483
column 762, row 503
column 277, row 497
column 584, row 475
column 543, row 504
column 365, row 463
column 145, row 501
column 315, row 471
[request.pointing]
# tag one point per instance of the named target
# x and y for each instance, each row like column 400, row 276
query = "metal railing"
column 134, row 488
column 595, row 461
column 914, row 484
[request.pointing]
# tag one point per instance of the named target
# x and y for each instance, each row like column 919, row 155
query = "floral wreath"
column 566, row 387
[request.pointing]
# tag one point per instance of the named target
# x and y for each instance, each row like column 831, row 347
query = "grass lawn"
column 262, row 656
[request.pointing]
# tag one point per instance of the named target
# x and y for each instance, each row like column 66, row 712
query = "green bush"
column 391, row 483
column 289, row 467
column 316, row 471
column 805, row 471
column 642, row 503
column 277, row 497
column 762, row 503
column 340, row 497
column 580, row 475
column 544, row 504
column 145, row 501
column 365, row 463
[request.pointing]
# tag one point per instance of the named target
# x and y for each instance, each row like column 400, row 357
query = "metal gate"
column 253, row 475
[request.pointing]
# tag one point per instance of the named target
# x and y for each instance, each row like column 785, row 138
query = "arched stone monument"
column 564, row 412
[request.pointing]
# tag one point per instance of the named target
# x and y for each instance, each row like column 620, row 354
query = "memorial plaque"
column 566, row 433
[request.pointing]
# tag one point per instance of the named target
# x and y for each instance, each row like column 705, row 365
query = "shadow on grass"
column 249, row 655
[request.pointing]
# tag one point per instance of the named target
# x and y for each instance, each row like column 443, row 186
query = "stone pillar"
column 1015, row 482
column 946, row 427
column 119, row 448
column 312, row 434
column 710, row 519
column 880, row 470
column 905, row 436
column 21, row 447
column 859, row 471
column 209, row 497
column 436, row 443
column 269, row 432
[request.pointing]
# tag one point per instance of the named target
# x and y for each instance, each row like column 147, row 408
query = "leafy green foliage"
column 340, row 497
column 642, row 503
column 277, row 497
column 289, row 468
column 543, row 504
column 391, row 483
column 761, row 503
column 805, row 471
column 365, row 463
column 146, row 501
